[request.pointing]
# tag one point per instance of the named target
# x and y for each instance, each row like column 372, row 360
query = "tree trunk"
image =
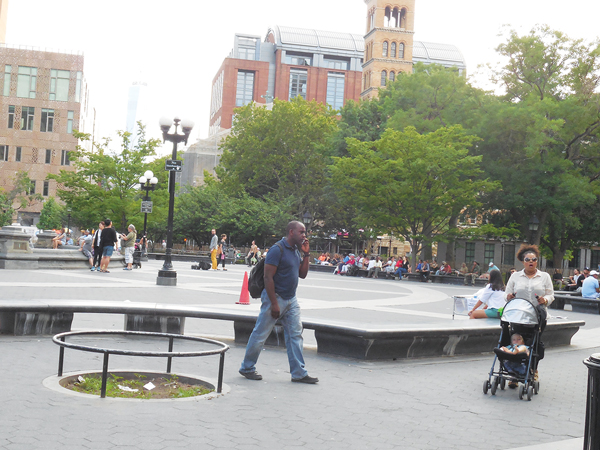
column 450, row 256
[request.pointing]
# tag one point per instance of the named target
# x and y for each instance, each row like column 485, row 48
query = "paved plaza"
column 432, row 403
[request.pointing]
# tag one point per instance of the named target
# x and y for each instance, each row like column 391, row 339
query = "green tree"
column 105, row 183
column 541, row 138
column 242, row 217
column 18, row 198
column 410, row 183
column 279, row 155
column 430, row 98
column 51, row 216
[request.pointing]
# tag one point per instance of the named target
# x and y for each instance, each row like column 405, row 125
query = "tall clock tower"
column 388, row 43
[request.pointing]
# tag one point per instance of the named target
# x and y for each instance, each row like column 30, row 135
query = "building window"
column 59, row 85
column 335, row 90
column 3, row 152
column 6, row 87
column 298, row 79
column 392, row 76
column 488, row 254
column 48, row 156
column 385, row 49
column 469, row 252
column 595, row 259
column 401, row 51
column 11, row 116
column 47, row 123
column 247, row 49
column 27, row 115
column 26, row 82
column 574, row 262
column 18, row 154
column 31, row 188
column 383, row 77
column 298, row 59
column 46, row 188
column 393, row 50
column 337, row 64
column 70, row 122
column 245, row 88
column 64, row 158
column 509, row 254
column 78, row 87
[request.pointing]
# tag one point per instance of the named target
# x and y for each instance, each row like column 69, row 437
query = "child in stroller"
column 517, row 361
column 516, row 347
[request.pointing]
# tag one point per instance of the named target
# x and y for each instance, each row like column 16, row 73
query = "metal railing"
column 59, row 339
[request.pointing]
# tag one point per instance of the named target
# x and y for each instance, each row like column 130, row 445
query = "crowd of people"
column 99, row 245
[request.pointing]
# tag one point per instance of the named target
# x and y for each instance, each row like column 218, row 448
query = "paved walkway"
column 412, row 404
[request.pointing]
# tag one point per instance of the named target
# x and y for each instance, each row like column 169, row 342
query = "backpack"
column 256, row 281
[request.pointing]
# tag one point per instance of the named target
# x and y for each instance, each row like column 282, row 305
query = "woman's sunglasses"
column 530, row 259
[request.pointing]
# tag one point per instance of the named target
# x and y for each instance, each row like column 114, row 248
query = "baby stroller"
column 137, row 257
column 519, row 316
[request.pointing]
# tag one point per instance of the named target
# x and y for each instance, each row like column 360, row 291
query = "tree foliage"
column 51, row 216
column 410, row 183
column 105, row 183
column 280, row 155
column 540, row 139
column 242, row 217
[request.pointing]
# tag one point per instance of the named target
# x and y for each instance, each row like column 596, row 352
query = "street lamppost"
column 534, row 224
column 167, row 276
column 148, row 183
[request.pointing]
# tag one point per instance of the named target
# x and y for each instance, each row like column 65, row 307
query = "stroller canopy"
column 519, row 310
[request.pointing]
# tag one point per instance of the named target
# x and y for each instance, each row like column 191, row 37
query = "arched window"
column 383, row 77
column 392, row 76
column 384, row 51
column 401, row 51
column 394, row 20
column 388, row 15
column 402, row 18
column 393, row 50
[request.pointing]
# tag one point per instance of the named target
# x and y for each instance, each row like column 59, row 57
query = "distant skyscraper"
column 136, row 105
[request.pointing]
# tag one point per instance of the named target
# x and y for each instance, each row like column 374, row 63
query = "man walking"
column 214, row 245
column 283, row 266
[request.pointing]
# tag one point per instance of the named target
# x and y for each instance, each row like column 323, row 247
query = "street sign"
column 173, row 165
column 146, row 207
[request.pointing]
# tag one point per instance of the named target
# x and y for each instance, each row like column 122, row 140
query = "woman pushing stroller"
column 532, row 285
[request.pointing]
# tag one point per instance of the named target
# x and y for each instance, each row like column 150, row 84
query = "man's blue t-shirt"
column 589, row 286
column 288, row 267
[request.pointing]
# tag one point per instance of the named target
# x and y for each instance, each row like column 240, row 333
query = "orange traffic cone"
column 244, row 295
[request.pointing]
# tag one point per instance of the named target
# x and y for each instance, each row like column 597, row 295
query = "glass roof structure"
column 344, row 43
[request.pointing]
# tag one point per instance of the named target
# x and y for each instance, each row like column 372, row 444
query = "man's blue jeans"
column 292, row 330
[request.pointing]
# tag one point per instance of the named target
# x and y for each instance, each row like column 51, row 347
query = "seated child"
column 517, row 346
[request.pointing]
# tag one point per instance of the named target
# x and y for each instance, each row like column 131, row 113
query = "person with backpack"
column 286, row 261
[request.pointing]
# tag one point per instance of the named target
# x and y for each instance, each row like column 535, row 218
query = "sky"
column 176, row 47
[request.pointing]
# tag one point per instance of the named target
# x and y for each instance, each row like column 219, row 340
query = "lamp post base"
column 166, row 278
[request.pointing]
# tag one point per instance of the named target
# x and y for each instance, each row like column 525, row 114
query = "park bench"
column 43, row 317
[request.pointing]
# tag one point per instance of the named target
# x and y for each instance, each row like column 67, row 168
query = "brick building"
column 43, row 97
column 321, row 65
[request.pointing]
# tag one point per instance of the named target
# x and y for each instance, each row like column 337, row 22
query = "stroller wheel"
column 521, row 391
column 502, row 383
column 536, row 387
column 494, row 386
column 486, row 386
column 529, row 393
